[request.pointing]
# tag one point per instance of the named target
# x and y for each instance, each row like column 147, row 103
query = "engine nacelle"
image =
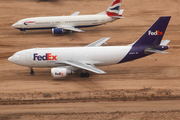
column 60, row 72
column 57, row 30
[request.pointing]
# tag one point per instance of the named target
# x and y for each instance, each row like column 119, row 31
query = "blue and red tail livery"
column 114, row 8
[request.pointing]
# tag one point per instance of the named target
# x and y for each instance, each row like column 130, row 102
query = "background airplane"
column 66, row 60
column 61, row 24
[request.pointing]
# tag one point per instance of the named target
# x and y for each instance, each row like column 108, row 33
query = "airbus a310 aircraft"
column 61, row 24
column 66, row 60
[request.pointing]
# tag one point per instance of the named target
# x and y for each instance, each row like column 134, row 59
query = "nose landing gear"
column 24, row 31
column 32, row 71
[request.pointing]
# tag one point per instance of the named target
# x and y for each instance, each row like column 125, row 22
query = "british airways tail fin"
column 154, row 35
column 114, row 9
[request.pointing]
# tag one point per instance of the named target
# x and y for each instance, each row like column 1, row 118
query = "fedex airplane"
column 67, row 60
column 62, row 24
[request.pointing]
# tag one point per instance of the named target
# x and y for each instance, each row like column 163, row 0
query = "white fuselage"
column 50, row 57
column 60, row 21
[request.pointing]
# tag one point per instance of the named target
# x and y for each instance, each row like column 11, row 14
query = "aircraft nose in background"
column 16, row 25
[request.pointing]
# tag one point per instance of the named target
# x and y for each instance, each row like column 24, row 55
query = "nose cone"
column 10, row 59
column 16, row 25
column 14, row 59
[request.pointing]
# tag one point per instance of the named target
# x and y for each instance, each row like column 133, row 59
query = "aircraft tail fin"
column 114, row 9
column 150, row 41
column 154, row 35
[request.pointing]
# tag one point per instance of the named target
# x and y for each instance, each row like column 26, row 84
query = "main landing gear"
column 84, row 75
column 69, row 32
column 32, row 71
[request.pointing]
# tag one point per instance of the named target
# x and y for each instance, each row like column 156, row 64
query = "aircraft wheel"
column 32, row 72
column 84, row 75
column 70, row 32
column 87, row 75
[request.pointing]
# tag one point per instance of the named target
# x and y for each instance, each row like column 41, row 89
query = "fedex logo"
column 155, row 33
column 59, row 73
column 47, row 56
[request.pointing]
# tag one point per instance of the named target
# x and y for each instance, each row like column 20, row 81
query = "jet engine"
column 57, row 30
column 60, row 72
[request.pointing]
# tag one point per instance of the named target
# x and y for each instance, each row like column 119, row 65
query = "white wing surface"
column 72, row 29
column 98, row 42
column 69, row 28
column 90, row 67
column 75, row 14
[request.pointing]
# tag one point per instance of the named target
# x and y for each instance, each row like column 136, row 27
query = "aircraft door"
column 28, row 58
column 102, row 20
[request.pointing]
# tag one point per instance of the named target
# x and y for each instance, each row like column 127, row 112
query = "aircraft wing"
column 70, row 28
column 98, row 42
column 87, row 67
column 75, row 14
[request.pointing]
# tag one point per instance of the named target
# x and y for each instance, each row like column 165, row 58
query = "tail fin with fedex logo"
column 154, row 35
column 114, row 9
column 150, row 42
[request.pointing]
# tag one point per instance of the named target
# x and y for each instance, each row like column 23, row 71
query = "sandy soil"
column 105, row 111
column 158, row 71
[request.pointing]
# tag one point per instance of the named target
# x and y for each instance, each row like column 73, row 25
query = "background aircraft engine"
column 57, row 30
column 60, row 72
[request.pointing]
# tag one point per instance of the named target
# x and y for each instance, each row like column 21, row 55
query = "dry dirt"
column 158, row 71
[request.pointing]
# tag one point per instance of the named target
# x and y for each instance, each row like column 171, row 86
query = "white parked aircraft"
column 61, row 24
column 66, row 60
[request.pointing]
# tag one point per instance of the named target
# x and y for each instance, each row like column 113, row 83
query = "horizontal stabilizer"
column 164, row 42
column 121, row 11
column 118, row 17
column 98, row 42
column 154, row 51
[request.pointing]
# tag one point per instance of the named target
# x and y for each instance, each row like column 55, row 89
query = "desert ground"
column 156, row 72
